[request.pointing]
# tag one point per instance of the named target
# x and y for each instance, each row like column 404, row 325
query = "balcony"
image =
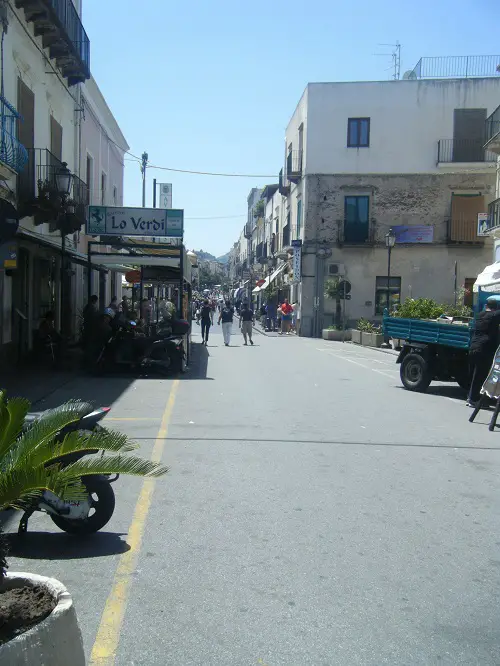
column 493, row 132
column 284, row 190
column 494, row 214
column 38, row 195
column 463, row 232
column 58, row 24
column 356, row 233
column 13, row 155
column 294, row 166
column 461, row 151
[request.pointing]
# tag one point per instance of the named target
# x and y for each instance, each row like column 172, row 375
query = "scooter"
column 125, row 349
column 83, row 517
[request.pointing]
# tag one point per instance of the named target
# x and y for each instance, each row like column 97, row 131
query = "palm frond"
column 18, row 487
column 12, row 415
column 112, row 465
column 46, row 428
column 78, row 441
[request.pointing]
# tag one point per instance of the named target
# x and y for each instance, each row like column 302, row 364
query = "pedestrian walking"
column 483, row 345
column 247, row 318
column 206, row 321
column 226, row 316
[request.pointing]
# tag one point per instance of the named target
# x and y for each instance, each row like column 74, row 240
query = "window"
column 103, row 188
column 356, row 219
column 358, row 132
column 381, row 293
column 56, row 133
column 90, row 177
column 299, row 217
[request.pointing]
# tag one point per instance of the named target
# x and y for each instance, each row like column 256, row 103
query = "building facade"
column 57, row 114
column 364, row 158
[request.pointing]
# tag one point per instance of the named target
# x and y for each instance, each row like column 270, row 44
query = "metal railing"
column 463, row 150
column 294, row 163
column 284, row 190
column 494, row 214
column 12, row 152
column 40, row 174
column 493, row 124
column 356, row 233
column 463, row 231
column 63, row 15
column 457, row 67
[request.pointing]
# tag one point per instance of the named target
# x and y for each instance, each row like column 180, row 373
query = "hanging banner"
column 414, row 234
column 297, row 260
column 114, row 221
column 483, row 224
column 165, row 199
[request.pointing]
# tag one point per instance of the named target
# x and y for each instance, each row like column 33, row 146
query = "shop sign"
column 8, row 256
column 423, row 233
column 297, row 260
column 483, row 224
column 115, row 221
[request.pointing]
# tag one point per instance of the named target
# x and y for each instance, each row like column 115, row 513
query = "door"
column 26, row 135
column 469, row 135
column 464, row 210
column 20, row 303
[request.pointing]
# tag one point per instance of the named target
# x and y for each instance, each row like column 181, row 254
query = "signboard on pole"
column 8, row 255
column 165, row 195
column 297, row 260
column 115, row 221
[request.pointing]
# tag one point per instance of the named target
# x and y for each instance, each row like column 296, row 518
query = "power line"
column 212, row 173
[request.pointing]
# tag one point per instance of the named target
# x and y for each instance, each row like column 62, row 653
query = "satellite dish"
column 409, row 75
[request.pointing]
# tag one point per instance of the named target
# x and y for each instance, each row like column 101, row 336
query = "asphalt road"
column 315, row 513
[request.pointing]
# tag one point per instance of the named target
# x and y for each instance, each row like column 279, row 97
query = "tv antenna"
column 395, row 55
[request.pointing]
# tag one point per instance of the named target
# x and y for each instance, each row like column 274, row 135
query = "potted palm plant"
column 38, row 623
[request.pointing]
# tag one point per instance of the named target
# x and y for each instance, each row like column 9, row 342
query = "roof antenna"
column 396, row 59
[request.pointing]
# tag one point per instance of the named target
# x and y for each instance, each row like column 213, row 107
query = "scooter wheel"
column 103, row 506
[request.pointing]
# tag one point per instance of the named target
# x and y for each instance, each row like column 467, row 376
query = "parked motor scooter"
column 91, row 514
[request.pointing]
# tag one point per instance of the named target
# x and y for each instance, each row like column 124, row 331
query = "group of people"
column 281, row 318
column 205, row 316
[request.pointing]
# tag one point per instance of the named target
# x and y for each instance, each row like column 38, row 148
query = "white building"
column 55, row 128
column 362, row 158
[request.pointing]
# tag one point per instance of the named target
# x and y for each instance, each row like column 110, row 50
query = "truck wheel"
column 415, row 373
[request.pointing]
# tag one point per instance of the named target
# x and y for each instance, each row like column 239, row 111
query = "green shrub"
column 427, row 308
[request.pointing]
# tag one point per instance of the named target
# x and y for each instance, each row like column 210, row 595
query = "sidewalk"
column 36, row 384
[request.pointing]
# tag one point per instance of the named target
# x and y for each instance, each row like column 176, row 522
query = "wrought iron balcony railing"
column 294, row 166
column 463, row 150
column 356, row 233
column 12, row 152
column 58, row 24
column 493, row 131
column 37, row 189
column 494, row 214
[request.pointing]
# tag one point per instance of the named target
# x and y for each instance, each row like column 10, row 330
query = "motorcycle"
column 163, row 351
column 83, row 517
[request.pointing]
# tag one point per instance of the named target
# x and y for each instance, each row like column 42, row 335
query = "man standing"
column 483, row 345
column 246, row 322
column 226, row 316
column 286, row 316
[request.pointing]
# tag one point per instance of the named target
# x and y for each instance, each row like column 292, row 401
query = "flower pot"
column 356, row 336
column 56, row 640
column 372, row 339
column 329, row 334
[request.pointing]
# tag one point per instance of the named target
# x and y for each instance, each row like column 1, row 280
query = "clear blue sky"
column 210, row 85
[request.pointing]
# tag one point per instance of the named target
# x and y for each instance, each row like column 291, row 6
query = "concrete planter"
column 372, row 339
column 356, row 336
column 328, row 334
column 55, row 641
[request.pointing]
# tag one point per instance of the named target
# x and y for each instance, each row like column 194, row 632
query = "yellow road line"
column 108, row 635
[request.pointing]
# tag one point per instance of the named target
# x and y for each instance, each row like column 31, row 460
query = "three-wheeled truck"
column 431, row 350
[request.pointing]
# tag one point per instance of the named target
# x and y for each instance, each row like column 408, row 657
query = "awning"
column 489, row 277
column 270, row 279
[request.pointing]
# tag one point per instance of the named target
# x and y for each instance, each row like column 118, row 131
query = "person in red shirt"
column 286, row 316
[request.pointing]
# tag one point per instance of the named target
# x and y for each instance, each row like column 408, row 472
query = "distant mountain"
column 223, row 259
column 204, row 256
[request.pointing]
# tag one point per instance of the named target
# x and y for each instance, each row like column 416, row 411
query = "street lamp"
column 64, row 180
column 390, row 241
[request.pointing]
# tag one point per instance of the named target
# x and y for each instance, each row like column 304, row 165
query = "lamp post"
column 390, row 241
column 64, row 182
